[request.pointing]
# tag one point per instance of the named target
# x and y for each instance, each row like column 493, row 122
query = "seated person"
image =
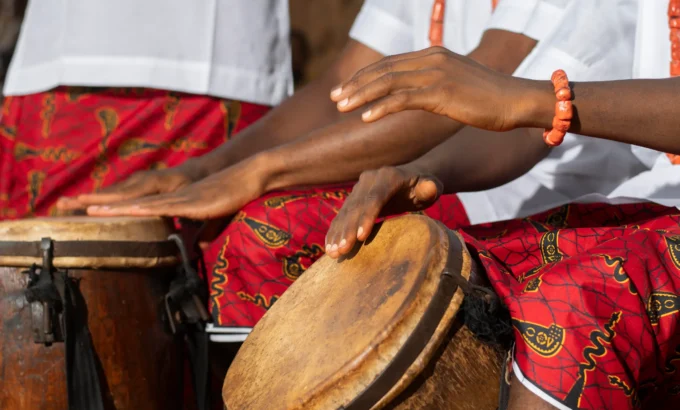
column 70, row 124
column 592, row 288
column 273, row 239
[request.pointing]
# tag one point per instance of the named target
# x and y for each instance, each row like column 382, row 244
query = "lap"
column 593, row 293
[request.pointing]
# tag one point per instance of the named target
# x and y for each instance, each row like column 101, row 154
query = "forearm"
column 639, row 112
column 340, row 152
column 308, row 109
column 476, row 160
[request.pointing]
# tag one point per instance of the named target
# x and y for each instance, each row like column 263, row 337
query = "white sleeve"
column 591, row 40
column 386, row 26
column 533, row 18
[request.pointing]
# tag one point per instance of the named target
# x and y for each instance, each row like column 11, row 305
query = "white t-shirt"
column 590, row 40
column 237, row 49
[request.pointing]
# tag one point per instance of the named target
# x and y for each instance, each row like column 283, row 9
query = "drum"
column 377, row 329
column 79, row 308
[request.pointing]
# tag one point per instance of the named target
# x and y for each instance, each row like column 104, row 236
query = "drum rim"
column 422, row 334
column 451, row 245
column 91, row 249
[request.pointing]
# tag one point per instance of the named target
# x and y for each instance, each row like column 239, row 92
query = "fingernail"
column 343, row 243
column 366, row 115
column 343, row 102
column 336, row 92
column 334, row 248
column 328, row 247
column 360, row 231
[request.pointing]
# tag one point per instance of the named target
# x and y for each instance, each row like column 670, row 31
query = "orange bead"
column 553, row 137
column 674, row 8
column 564, row 110
column 675, row 68
column 675, row 55
column 674, row 22
column 674, row 35
column 563, row 94
column 561, row 125
column 560, row 83
column 558, row 73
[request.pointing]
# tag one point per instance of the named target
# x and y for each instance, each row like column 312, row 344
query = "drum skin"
column 335, row 331
column 139, row 360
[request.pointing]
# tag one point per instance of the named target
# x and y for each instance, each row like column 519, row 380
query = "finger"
column 374, row 203
column 139, row 207
column 347, row 237
column 69, row 204
column 426, row 192
column 409, row 100
column 391, row 64
column 335, row 231
column 390, row 83
column 117, row 194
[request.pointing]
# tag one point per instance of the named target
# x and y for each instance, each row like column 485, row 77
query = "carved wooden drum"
column 378, row 329
column 80, row 303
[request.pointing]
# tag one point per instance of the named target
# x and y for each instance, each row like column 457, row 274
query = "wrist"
column 194, row 169
column 268, row 171
column 534, row 107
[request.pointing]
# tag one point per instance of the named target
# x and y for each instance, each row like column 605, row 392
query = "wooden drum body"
column 138, row 363
column 378, row 329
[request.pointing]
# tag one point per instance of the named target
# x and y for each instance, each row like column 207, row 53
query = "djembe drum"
column 79, row 308
column 377, row 329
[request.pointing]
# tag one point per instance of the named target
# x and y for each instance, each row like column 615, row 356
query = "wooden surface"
column 341, row 323
column 83, row 228
column 139, row 359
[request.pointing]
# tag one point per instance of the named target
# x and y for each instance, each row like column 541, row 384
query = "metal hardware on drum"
column 183, row 304
column 80, row 299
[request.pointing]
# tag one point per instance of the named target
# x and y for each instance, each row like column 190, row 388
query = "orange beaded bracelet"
column 564, row 110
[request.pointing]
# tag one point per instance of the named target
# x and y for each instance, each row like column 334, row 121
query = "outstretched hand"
column 217, row 196
column 383, row 192
column 435, row 80
column 138, row 185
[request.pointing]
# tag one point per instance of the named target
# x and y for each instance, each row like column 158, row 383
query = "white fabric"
column 652, row 179
column 660, row 183
column 591, row 40
column 237, row 49
column 401, row 26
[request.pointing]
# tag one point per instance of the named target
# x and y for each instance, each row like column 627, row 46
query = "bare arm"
column 339, row 152
column 350, row 147
column 639, row 112
column 477, row 160
column 307, row 110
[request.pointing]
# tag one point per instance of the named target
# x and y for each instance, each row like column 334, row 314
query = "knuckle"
column 387, row 67
column 400, row 100
column 440, row 57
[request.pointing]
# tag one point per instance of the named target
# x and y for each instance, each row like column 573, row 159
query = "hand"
column 435, row 80
column 387, row 191
column 217, row 196
column 138, row 185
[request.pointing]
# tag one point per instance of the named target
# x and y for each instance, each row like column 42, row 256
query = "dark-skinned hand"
column 217, row 196
column 435, row 80
column 138, row 185
column 383, row 192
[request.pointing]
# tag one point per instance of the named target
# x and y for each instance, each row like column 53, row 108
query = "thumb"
column 427, row 190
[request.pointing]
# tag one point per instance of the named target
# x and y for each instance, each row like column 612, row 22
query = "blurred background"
column 319, row 31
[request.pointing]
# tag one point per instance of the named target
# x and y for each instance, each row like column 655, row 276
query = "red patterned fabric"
column 272, row 241
column 76, row 140
column 594, row 293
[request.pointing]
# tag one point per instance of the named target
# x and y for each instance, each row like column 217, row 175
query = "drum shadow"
column 358, row 245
